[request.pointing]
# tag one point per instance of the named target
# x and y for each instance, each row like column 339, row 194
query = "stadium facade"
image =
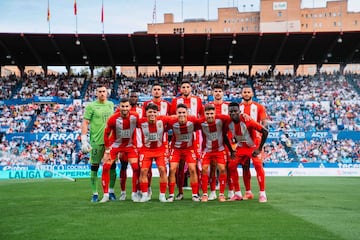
column 275, row 16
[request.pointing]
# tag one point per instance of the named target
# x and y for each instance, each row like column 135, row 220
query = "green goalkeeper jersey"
column 98, row 113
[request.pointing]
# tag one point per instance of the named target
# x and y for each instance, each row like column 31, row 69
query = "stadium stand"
column 295, row 104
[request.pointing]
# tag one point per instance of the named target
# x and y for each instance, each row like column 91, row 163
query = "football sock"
column 260, row 174
column 163, row 187
column 144, row 188
column 135, row 178
column 195, row 188
column 123, row 176
column 213, row 183
column 105, row 177
column 171, row 188
column 204, row 186
column 93, row 182
column 112, row 178
column 222, row 180
column 247, row 178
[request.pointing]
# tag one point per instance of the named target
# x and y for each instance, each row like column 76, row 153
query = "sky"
column 120, row 16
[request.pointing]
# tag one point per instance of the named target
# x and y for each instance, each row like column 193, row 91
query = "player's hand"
column 85, row 145
column 256, row 152
column 232, row 154
column 106, row 157
column 246, row 117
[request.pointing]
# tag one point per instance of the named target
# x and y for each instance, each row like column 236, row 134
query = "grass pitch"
column 297, row 208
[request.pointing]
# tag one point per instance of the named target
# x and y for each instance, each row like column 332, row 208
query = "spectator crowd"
column 326, row 102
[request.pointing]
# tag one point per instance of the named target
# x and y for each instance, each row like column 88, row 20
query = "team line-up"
column 209, row 141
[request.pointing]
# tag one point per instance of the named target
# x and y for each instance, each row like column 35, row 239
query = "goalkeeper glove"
column 85, row 145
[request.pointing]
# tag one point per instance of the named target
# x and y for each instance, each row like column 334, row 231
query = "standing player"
column 221, row 107
column 124, row 162
column 95, row 115
column 247, row 146
column 152, row 129
column 257, row 112
column 214, row 129
column 195, row 108
column 164, row 106
column 164, row 110
column 119, row 138
column 182, row 147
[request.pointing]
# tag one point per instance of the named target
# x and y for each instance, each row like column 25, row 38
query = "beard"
column 247, row 99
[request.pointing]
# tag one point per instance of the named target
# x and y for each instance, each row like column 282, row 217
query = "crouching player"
column 244, row 131
column 152, row 129
column 213, row 129
column 182, row 148
column 119, row 138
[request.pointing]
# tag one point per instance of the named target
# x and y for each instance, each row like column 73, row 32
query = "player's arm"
column 85, row 126
column 144, row 107
column 201, row 109
column 108, row 131
column 85, row 145
column 197, row 123
column 173, row 105
column 228, row 145
column 226, row 121
column 168, row 108
column 263, row 116
column 264, row 134
column 245, row 116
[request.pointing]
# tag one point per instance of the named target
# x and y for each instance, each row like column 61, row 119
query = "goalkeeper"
column 96, row 115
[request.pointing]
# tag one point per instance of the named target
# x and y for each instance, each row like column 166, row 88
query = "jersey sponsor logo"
column 125, row 133
column 240, row 138
column 213, row 136
column 185, row 137
column 153, row 137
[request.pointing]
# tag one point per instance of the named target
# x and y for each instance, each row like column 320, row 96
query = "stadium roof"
column 144, row 49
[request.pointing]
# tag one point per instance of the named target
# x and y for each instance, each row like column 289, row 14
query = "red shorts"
column 243, row 154
column 188, row 155
column 124, row 153
column 146, row 157
column 219, row 157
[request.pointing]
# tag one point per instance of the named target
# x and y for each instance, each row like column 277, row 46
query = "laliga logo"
column 290, row 174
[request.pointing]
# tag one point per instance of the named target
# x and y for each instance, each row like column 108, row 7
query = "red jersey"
column 120, row 131
column 213, row 133
column 183, row 134
column 245, row 132
column 137, row 109
column 194, row 104
column 221, row 108
column 164, row 107
column 255, row 110
column 152, row 134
